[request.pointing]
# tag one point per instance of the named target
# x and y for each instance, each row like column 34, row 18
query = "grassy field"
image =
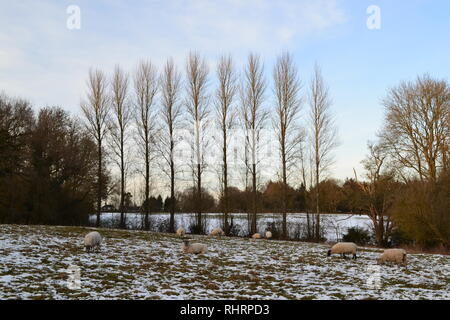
column 36, row 263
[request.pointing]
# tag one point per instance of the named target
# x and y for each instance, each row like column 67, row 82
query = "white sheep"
column 216, row 232
column 181, row 232
column 392, row 255
column 256, row 236
column 195, row 248
column 343, row 248
column 92, row 241
column 268, row 234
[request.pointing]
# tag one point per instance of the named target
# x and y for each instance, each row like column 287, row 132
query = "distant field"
column 334, row 225
column 139, row 265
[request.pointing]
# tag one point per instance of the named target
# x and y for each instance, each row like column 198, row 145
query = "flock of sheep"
column 389, row 255
column 93, row 240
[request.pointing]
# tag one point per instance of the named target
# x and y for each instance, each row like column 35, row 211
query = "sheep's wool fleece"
column 195, row 248
column 216, row 231
column 393, row 255
column 92, row 239
column 344, row 247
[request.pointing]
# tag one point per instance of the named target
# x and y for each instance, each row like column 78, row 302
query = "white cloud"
column 44, row 61
column 257, row 25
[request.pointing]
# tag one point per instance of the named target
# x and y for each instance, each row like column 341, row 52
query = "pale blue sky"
column 40, row 59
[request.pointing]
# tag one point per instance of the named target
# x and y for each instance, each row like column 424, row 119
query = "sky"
column 44, row 61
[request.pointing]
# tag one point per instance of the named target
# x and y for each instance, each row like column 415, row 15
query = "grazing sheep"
column 181, row 232
column 92, row 241
column 343, row 248
column 392, row 255
column 195, row 248
column 256, row 236
column 268, row 234
column 216, row 232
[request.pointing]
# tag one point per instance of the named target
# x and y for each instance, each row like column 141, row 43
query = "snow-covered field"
column 38, row 262
column 335, row 225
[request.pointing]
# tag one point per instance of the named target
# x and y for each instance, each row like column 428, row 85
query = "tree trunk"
column 99, row 185
column 147, row 182
column 308, row 226
column 225, row 183
column 199, row 198
column 254, row 191
column 285, row 233
column 317, row 231
column 122, row 183
column 172, row 189
column 378, row 223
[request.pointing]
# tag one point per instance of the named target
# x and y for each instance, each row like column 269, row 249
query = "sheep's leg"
column 354, row 256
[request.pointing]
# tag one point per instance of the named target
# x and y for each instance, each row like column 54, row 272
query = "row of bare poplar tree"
column 53, row 168
column 158, row 102
column 406, row 180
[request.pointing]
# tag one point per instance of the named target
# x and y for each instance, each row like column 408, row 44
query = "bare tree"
column 303, row 165
column 225, row 118
column 417, row 126
column 145, row 90
column 96, row 110
column 171, row 114
column 254, row 118
column 323, row 134
column 378, row 192
column 197, row 112
column 119, row 125
column 287, row 86
column 302, row 158
column 244, row 169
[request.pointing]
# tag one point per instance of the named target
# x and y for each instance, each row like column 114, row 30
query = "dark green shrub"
column 357, row 235
column 399, row 237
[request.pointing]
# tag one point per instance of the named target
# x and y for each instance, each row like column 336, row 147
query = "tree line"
column 131, row 122
column 157, row 105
